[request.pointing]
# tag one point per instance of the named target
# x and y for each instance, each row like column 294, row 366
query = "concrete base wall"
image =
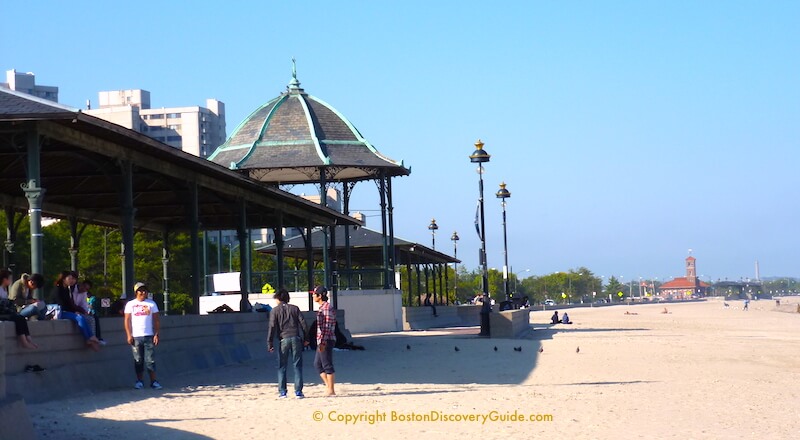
column 418, row 318
column 368, row 311
column 188, row 343
column 372, row 311
column 510, row 324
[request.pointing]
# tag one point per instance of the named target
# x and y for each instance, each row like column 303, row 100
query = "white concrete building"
column 194, row 129
column 26, row 83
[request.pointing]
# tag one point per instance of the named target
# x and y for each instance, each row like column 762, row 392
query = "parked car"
column 549, row 302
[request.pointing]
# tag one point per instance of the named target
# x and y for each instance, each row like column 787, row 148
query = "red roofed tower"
column 691, row 269
column 684, row 287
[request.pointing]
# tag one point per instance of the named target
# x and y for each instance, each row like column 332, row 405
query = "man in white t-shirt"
column 141, row 327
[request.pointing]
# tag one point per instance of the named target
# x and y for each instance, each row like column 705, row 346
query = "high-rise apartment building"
column 26, row 83
column 195, row 130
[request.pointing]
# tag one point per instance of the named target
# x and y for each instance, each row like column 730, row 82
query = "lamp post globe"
column 480, row 156
column 433, row 227
column 503, row 194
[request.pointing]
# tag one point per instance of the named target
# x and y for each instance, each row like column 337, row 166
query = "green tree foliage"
column 99, row 259
column 576, row 284
column 613, row 288
column 19, row 260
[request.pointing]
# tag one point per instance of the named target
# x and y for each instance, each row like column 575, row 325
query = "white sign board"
column 227, row 282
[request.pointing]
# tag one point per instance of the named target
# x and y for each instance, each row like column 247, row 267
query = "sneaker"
column 299, row 395
column 282, row 395
column 155, row 385
column 102, row 341
column 139, row 385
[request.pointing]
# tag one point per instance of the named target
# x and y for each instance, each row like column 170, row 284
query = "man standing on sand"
column 326, row 339
column 141, row 326
column 287, row 323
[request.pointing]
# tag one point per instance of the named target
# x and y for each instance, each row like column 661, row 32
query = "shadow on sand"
column 451, row 356
column 94, row 428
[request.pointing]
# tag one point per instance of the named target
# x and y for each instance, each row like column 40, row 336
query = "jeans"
column 143, row 354
column 83, row 324
column 293, row 346
column 39, row 309
column 20, row 323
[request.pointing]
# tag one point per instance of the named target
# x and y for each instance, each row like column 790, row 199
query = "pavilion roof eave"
column 311, row 174
column 364, row 240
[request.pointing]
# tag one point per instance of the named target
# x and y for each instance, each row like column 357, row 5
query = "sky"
column 628, row 132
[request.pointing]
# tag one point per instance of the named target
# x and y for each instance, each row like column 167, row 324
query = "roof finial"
column 294, row 84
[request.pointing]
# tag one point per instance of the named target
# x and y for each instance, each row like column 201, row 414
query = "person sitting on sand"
column 554, row 319
column 565, row 319
column 665, row 311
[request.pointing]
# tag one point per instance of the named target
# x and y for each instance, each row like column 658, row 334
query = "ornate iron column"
column 503, row 194
column 480, row 156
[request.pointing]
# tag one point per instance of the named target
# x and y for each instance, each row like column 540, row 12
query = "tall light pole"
column 433, row 227
column 230, row 255
column 480, row 156
column 455, row 239
column 503, row 194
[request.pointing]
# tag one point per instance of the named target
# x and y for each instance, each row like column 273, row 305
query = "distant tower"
column 758, row 275
column 691, row 269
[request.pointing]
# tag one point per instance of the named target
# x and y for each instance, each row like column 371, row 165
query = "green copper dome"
column 295, row 135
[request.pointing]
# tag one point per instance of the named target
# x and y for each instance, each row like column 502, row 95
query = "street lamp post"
column 433, row 227
column 455, row 239
column 480, row 156
column 503, row 194
column 516, row 277
column 230, row 255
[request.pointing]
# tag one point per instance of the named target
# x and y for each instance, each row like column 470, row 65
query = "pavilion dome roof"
column 292, row 137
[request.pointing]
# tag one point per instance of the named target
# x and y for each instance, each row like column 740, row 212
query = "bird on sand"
column 457, row 349
column 541, row 349
column 578, row 350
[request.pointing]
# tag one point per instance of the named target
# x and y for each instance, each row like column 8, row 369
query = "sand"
column 700, row 371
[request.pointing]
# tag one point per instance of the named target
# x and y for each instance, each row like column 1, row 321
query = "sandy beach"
column 700, row 371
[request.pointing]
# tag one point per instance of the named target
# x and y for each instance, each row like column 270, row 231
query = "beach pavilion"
column 426, row 268
column 59, row 162
column 295, row 139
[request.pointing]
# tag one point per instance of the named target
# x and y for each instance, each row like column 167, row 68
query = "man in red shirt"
column 326, row 339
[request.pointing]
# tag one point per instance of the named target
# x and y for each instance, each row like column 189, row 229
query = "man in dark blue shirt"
column 286, row 322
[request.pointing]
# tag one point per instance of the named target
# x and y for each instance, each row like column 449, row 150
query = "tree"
column 613, row 288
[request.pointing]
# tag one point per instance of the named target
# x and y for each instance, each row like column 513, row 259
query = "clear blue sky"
column 628, row 131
